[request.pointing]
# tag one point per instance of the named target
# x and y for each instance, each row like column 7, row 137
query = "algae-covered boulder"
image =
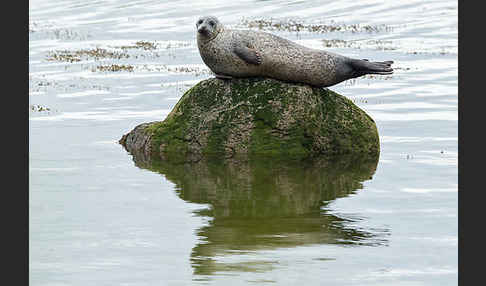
column 256, row 117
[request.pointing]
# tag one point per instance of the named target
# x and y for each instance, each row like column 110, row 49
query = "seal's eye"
column 211, row 23
column 199, row 22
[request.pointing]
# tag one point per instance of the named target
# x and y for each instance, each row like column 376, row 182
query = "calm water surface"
column 99, row 216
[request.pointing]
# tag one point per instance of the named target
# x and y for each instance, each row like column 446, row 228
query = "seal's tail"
column 362, row 67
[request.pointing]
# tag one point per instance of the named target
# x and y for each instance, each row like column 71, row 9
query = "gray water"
column 99, row 216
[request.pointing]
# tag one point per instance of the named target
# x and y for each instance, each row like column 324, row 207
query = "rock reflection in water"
column 267, row 203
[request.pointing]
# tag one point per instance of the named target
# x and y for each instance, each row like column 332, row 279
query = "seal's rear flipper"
column 362, row 67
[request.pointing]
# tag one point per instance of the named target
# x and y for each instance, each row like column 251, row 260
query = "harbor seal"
column 246, row 53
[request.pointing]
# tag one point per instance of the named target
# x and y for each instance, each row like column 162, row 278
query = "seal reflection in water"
column 268, row 203
column 245, row 53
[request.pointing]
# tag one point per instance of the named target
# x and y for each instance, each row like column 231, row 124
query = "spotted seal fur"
column 246, row 53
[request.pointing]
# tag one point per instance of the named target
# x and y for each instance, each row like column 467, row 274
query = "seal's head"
column 208, row 27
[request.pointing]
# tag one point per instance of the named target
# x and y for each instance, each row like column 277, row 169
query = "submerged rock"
column 256, row 117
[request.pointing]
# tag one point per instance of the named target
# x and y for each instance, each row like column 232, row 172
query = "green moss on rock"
column 257, row 117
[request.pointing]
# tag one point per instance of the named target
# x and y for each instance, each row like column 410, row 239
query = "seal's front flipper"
column 249, row 55
column 220, row 76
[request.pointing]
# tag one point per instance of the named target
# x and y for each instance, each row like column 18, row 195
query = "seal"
column 246, row 53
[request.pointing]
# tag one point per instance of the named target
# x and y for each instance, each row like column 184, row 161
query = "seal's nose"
column 203, row 30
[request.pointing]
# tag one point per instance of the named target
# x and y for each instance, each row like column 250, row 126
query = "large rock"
column 256, row 117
